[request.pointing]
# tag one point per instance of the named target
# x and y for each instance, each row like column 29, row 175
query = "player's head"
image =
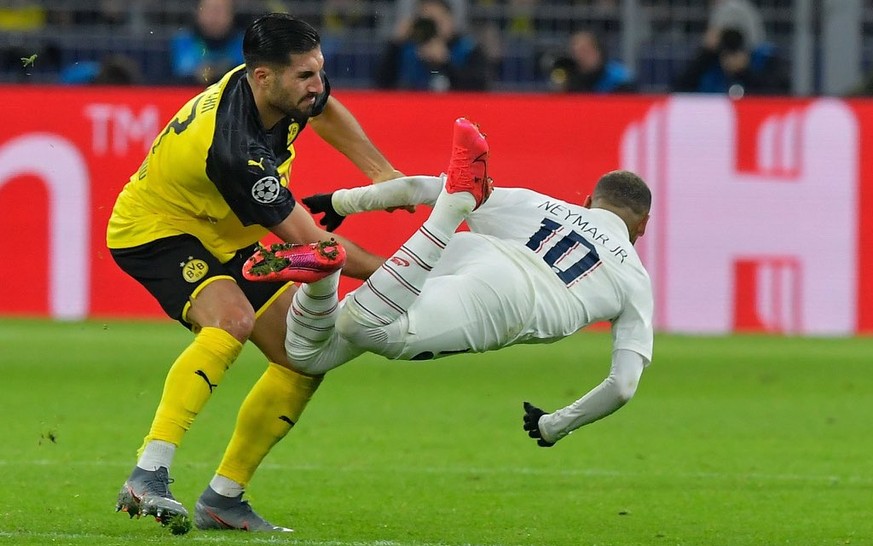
column 587, row 50
column 215, row 18
column 627, row 195
column 284, row 62
column 438, row 12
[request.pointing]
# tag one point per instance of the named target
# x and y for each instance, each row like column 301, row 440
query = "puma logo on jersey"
column 257, row 163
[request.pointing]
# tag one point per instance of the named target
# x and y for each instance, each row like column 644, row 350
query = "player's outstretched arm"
column 614, row 392
column 300, row 228
column 337, row 126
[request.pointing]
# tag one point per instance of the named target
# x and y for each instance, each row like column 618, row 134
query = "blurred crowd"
column 437, row 45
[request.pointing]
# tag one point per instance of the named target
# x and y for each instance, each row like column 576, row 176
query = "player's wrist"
column 341, row 204
column 549, row 429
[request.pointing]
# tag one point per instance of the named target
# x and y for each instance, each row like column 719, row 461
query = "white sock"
column 156, row 454
column 449, row 210
column 322, row 287
column 392, row 289
column 225, row 486
column 409, row 190
column 313, row 311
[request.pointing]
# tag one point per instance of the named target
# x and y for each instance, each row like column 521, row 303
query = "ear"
column 262, row 75
column 587, row 202
column 641, row 227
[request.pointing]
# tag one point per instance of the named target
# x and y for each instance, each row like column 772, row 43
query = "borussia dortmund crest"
column 193, row 270
column 293, row 129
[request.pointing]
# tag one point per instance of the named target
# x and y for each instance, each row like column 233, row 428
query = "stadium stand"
column 655, row 38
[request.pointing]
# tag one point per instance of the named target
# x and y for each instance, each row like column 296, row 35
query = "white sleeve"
column 633, row 330
column 400, row 192
column 605, row 398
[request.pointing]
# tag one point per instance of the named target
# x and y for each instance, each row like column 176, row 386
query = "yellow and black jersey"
column 214, row 172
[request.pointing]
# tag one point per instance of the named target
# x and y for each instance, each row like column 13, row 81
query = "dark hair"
column 596, row 40
column 731, row 41
column 118, row 70
column 424, row 29
column 446, row 5
column 273, row 38
column 624, row 189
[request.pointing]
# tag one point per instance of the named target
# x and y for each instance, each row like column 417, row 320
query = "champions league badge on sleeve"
column 266, row 190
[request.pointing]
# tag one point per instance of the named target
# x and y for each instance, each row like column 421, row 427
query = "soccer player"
column 532, row 269
column 214, row 183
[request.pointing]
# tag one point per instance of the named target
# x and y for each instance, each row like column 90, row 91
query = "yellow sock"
column 269, row 411
column 190, row 381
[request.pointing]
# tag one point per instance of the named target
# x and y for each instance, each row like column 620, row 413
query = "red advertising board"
column 792, row 168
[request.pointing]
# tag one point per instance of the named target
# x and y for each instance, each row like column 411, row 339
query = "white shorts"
column 476, row 299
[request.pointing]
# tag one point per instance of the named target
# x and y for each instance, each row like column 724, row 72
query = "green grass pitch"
column 745, row 440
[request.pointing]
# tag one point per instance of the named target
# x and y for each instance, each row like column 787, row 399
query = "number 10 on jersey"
column 571, row 246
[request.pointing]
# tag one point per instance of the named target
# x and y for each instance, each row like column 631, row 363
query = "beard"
column 300, row 110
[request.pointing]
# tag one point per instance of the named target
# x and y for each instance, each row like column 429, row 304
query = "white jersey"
column 580, row 263
column 532, row 269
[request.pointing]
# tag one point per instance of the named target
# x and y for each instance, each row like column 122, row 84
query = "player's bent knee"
column 365, row 337
column 305, row 357
column 349, row 328
column 238, row 322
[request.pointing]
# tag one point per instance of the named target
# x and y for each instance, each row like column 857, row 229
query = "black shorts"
column 172, row 270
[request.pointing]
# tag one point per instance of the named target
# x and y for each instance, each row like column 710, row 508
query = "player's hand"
column 532, row 416
column 320, row 203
